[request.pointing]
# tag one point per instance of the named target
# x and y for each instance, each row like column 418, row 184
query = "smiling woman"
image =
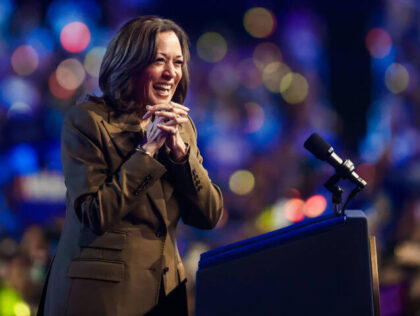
column 158, row 82
column 132, row 169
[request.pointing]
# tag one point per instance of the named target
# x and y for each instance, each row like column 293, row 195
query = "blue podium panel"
column 316, row 268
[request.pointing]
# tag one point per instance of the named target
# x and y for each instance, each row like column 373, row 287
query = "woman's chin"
column 161, row 100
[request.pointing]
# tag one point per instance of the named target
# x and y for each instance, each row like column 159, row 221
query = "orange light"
column 57, row 90
column 260, row 22
column 294, row 210
column 315, row 206
column 24, row 60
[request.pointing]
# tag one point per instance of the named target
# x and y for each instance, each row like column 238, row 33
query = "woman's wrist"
column 179, row 152
column 149, row 149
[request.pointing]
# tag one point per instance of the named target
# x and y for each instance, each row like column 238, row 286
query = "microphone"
column 325, row 152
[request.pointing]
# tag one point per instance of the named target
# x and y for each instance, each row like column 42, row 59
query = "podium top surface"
column 286, row 234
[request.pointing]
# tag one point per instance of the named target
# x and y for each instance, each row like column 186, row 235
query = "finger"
column 169, row 129
column 180, row 106
column 152, row 131
column 175, row 123
column 152, row 111
column 159, row 107
column 167, row 106
column 147, row 114
column 172, row 116
column 180, row 111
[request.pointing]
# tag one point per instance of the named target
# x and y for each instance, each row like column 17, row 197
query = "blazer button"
column 158, row 234
column 165, row 270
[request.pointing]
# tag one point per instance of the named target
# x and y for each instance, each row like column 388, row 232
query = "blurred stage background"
column 264, row 76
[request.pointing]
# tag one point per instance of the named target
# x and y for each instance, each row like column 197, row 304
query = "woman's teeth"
column 162, row 89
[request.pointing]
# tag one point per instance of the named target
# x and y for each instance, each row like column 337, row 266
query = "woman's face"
column 158, row 82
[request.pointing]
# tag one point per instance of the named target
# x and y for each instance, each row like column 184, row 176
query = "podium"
column 322, row 267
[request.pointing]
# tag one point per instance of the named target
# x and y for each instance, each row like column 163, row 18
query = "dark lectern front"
column 317, row 268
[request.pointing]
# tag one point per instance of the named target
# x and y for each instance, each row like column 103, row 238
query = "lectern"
column 322, row 267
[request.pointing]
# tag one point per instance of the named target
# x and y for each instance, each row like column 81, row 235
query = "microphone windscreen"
column 318, row 146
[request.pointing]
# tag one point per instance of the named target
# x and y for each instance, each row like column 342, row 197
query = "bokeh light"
column 397, row 78
column 70, row 74
column 315, row 206
column 75, row 37
column 16, row 89
column 24, row 60
column 8, row 299
column 266, row 53
column 57, row 90
column 42, row 41
column 19, row 108
column 294, row 210
column 211, row 47
column 231, row 151
column 255, row 114
column 264, row 221
column 6, row 8
column 21, row 309
column 241, row 182
column 273, row 74
column 23, row 159
column 272, row 217
column 60, row 13
column 93, row 60
column 378, row 43
column 294, row 88
column 259, row 22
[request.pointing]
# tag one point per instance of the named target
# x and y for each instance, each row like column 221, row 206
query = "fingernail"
column 148, row 106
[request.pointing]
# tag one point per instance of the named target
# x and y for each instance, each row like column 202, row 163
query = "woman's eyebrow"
column 178, row 56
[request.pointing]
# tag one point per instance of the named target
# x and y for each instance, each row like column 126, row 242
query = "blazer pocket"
column 114, row 240
column 103, row 270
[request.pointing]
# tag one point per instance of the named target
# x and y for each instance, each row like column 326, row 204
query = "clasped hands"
column 163, row 128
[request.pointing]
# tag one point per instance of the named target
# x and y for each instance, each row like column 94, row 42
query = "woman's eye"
column 160, row 60
column 179, row 62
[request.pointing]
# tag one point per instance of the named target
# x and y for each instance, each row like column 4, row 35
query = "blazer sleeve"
column 99, row 198
column 201, row 200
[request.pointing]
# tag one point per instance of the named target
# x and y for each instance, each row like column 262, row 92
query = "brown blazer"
column 123, row 206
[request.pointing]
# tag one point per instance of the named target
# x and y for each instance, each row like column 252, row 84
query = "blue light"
column 15, row 89
column 42, row 40
column 269, row 134
column 23, row 159
column 6, row 8
column 8, row 218
column 60, row 13
column 52, row 156
column 136, row 3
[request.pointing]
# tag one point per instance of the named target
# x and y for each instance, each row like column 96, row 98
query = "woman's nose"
column 169, row 70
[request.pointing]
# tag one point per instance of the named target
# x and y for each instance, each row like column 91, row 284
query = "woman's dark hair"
column 129, row 53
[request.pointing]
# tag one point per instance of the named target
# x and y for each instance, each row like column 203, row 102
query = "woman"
column 132, row 169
